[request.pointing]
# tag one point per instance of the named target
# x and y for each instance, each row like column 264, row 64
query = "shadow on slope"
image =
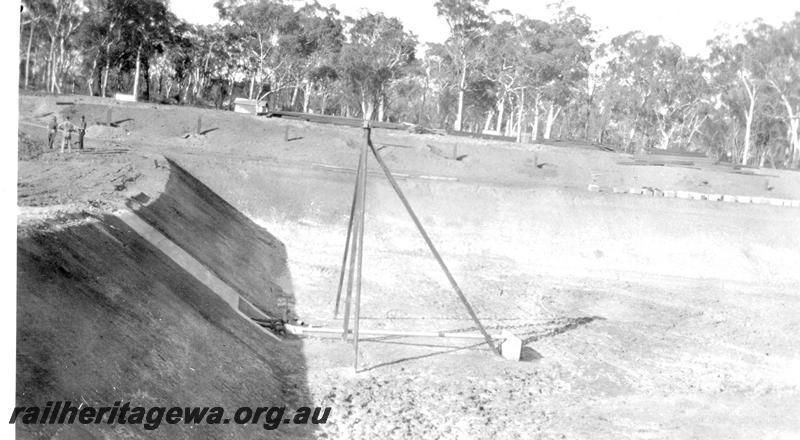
column 103, row 316
column 237, row 250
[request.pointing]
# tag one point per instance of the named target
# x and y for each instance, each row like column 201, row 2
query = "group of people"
column 67, row 128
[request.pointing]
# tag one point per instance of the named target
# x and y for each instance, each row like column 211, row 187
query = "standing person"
column 67, row 127
column 81, row 132
column 52, row 131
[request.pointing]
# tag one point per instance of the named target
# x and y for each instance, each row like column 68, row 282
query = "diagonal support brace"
column 432, row 248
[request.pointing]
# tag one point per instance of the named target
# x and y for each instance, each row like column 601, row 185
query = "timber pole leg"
column 354, row 239
column 433, row 250
column 347, row 242
column 362, row 208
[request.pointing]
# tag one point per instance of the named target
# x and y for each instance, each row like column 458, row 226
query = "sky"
column 688, row 23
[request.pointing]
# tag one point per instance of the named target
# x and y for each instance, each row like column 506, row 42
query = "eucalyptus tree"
column 781, row 72
column 60, row 20
column 261, row 26
column 499, row 63
column 95, row 38
column 656, row 95
column 373, row 59
column 468, row 23
column 516, row 58
column 440, row 97
column 32, row 14
column 315, row 48
column 738, row 72
column 571, row 55
column 143, row 29
column 539, row 67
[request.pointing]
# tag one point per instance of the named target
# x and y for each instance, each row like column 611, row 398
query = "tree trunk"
column 747, row 129
column 294, row 95
column 306, row 96
column 105, row 71
column 136, row 74
column 188, row 89
column 119, row 79
column 367, row 105
column 231, row 84
column 629, row 146
column 501, row 105
column 51, row 65
column 363, row 106
column 202, row 78
column 666, row 136
column 105, row 77
column 552, row 114
column 520, row 118
column 462, row 83
column 381, row 107
column 695, row 129
column 60, row 63
column 536, row 117
column 197, row 87
column 588, row 121
column 146, row 93
column 424, row 98
column 489, row 117
column 34, row 65
column 92, row 77
column 751, row 93
column 46, row 73
column 510, row 123
column 28, row 52
column 370, row 109
column 794, row 142
column 548, row 123
column 252, row 86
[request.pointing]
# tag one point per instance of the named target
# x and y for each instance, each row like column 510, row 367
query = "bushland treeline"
column 498, row 72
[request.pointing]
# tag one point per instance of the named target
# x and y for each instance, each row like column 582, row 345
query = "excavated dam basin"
column 642, row 317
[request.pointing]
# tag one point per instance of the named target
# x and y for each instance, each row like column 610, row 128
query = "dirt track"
column 644, row 318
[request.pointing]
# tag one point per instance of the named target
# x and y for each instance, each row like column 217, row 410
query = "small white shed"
column 252, row 106
column 124, row 97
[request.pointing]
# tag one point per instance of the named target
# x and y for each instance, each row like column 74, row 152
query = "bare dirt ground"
column 642, row 317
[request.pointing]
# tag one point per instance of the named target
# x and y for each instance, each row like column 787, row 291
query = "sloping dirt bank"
column 104, row 316
column 237, row 250
column 232, row 136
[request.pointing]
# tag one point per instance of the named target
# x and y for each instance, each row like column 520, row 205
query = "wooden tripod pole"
column 354, row 243
column 362, row 208
column 347, row 241
column 433, row 250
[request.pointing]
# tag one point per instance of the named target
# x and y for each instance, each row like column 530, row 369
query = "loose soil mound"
column 91, row 178
column 105, row 132
column 28, row 148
